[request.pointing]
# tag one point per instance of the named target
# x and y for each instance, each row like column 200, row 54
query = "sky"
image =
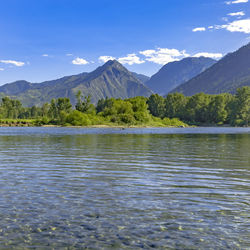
column 46, row 39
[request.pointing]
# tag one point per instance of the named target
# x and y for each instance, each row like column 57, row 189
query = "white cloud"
column 148, row 52
column 211, row 55
column 199, row 29
column 240, row 13
column 210, row 27
column 1, row 69
column 237, row 26
column 79, row 61
column 69, row 54
column 45, row 55
column 131, row 59
column 16, row 63
column 163, row 55
column 237, row 1
column 225, row 19
column 105, row 58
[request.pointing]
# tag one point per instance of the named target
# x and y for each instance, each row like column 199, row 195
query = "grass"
column 17, row 122
column 91, row 121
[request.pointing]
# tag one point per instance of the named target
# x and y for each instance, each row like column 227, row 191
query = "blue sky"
column 46, row 39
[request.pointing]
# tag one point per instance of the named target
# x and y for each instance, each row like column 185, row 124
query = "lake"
column 175, row 188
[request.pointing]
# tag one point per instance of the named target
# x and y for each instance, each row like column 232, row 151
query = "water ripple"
column 131, row 191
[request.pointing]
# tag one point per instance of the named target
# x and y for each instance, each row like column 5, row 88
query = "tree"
column 197, row 108
column 59, row 108
column 53, row 112
column 104, row 103
column 11, row 108
column 84, row 105
column 45, row 109
column 175, row 105
column 217, row 109
column 156, row 105
column 242, row 106
column 140, row 108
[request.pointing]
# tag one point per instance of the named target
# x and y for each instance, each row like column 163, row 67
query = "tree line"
column 156, row 110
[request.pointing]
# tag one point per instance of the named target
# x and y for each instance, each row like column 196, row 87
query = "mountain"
column 141, row 77
column 175, row 73
column 110, row 80
column 228, row 74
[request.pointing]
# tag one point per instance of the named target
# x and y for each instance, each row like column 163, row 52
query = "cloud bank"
column 104, row 59
column 16, row 63
column 215, row 56
column 163, row 55
column 237, row 26
column 79, row 61
column 199, row 29
column 240, row 13
column 237, row 1
column 131, row 59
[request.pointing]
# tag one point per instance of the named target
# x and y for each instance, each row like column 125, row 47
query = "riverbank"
column 37, row 123
column 155, row 122
column 91, row 126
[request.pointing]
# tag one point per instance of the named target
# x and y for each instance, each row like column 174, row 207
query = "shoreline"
column 91, row 126
column 116, row 126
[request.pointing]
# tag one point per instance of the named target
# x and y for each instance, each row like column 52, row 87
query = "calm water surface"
column 125, row 189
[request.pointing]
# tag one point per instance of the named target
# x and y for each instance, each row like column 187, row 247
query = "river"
column 174, row 188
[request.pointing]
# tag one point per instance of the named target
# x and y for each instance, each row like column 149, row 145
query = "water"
column 125, row 189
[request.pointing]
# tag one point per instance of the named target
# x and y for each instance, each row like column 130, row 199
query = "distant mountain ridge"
column 175, row 73
column 110, row 80
column 228, row 74
column 141, row 77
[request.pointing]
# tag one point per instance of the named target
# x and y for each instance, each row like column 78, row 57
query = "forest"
column 175, row 109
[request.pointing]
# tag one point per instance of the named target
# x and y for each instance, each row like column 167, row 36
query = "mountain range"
column 188, row 76
column 110, row 80
column 228, row 74
column 175, row 73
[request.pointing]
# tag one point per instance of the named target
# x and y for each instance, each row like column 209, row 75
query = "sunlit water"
column 132, row 188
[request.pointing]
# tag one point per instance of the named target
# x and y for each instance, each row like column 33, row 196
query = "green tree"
column 59, row 108
column 53, row 112
column 140, row 109
column 156, row 105
column 84, row 104
column 217, row 109
column 45, row 109
column 175, row 105
column 119, row 111
column 104, row 103
column 197, row 108
column 11, row 108
column 242, row 106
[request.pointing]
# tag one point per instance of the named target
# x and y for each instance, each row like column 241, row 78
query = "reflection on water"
column 124, row 190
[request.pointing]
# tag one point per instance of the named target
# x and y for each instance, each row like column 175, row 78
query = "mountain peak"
column 175, row 73
column 113, row 64
column 109, row 80
column 228, row 74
